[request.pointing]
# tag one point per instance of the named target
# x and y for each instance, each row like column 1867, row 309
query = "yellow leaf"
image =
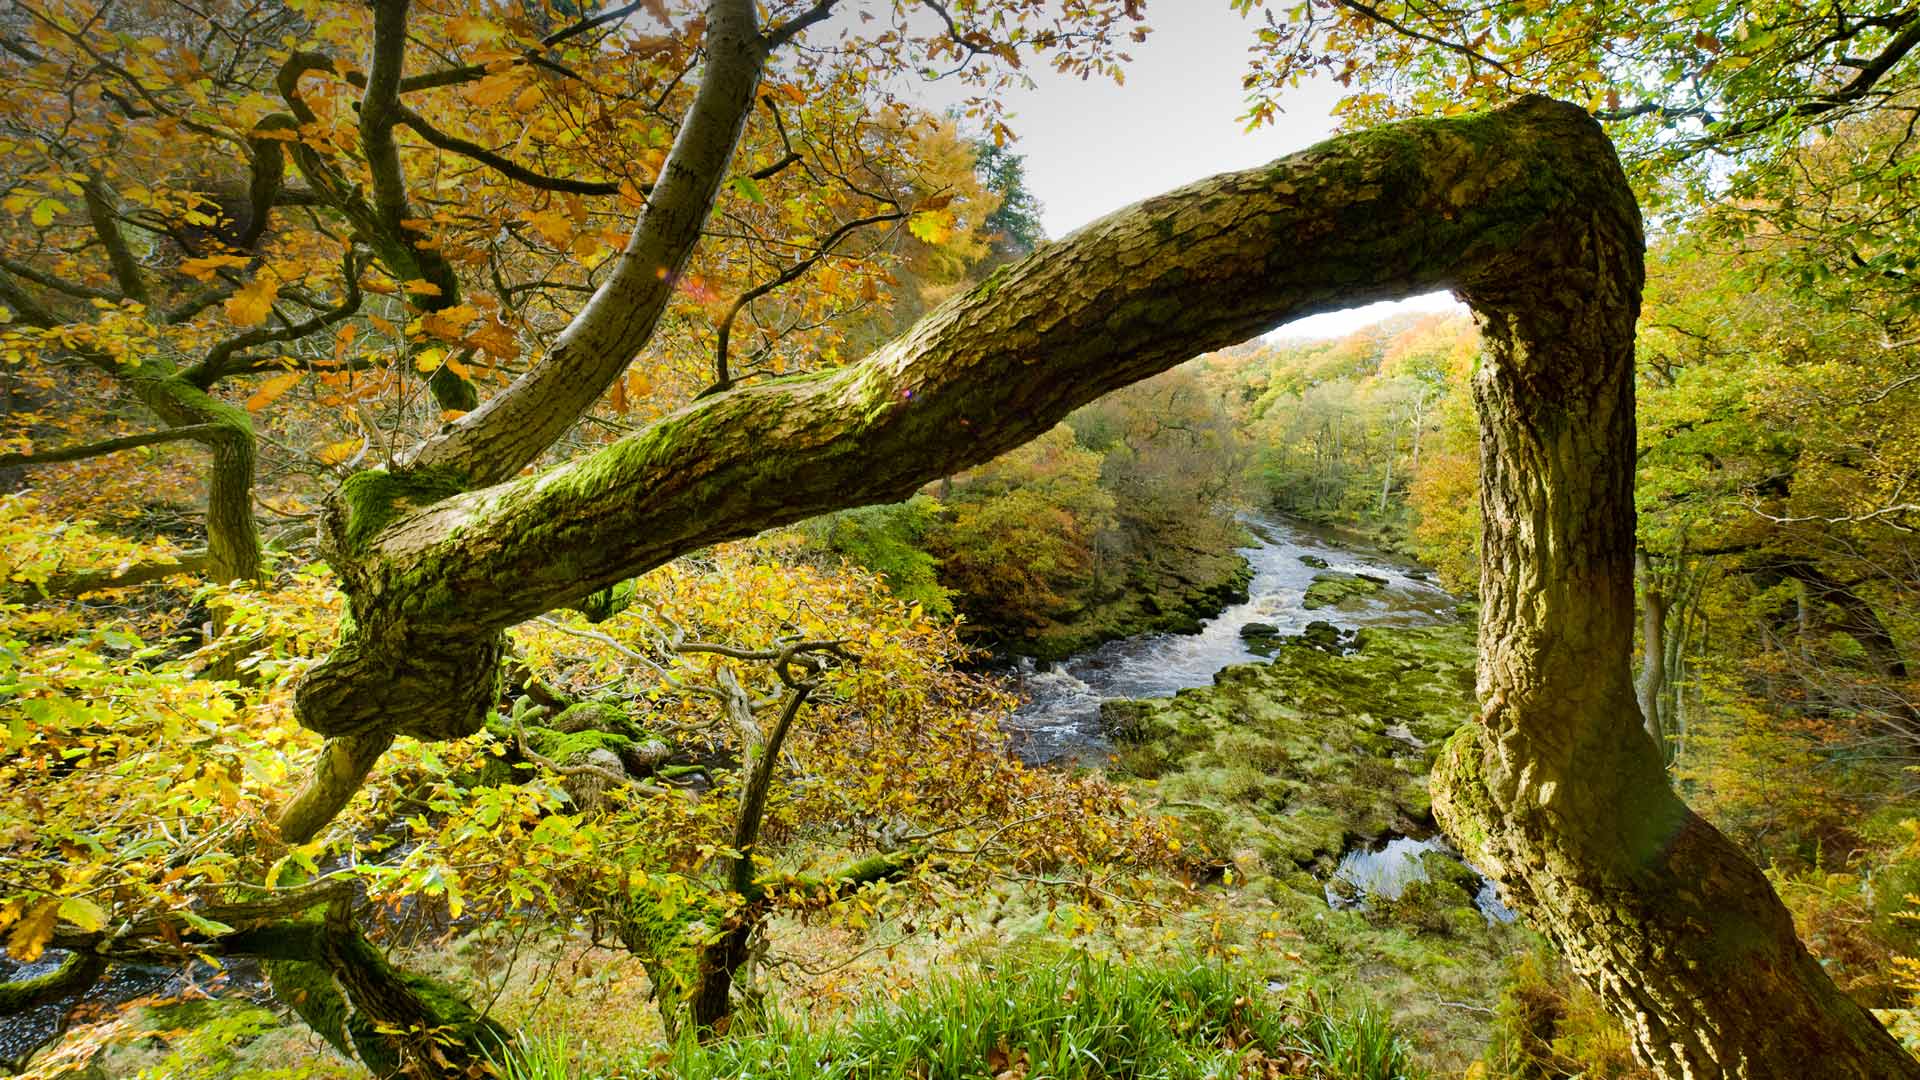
column 493, row 90
column 30, row 935
column 448, row 324
column 468, row 30
column 83, row 913
column 335, row 453
column 203, row 268
column 271, row 390
column 44, row 210
column 250, row 306
column 429, row 360
column 931, row 227
column 422, row 287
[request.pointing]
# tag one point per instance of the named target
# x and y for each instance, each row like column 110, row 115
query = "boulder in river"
column 1314, row 561
column 1333, row 587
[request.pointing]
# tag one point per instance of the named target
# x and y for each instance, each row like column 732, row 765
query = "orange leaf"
column 271, row 390
column 251, row 305
column 468, row 30
column 335, row 453
column 203, row 268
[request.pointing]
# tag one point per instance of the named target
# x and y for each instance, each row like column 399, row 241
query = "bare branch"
column 504, row 165
column 109, row 446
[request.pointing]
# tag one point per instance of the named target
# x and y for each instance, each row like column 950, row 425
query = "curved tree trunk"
column 1524, row 210
column 233, row 540
column 1557, row 789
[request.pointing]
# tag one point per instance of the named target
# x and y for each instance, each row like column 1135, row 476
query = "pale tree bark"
column 1651, row 687
column 1524, row 210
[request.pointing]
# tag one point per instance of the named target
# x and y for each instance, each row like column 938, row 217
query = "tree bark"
column 1556, row 789
column 1524, row 210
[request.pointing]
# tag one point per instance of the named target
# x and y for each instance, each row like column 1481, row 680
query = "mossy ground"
column 1279, row 768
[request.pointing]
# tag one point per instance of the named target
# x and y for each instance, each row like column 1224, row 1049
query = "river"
column 1060, row 721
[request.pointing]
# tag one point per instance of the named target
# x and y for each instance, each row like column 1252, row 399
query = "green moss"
column 1291, row 762
column 1333, row 588
column 999, row 277
column 666, row 921
column 375, row 498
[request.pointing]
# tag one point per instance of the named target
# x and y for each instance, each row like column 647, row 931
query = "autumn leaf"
column 251, row 305
column 271, row 390
column 493, row 90
column 421, row 287
column 469, row 30
column 448, row 324
column 336, row 452
column 83, row 913
column 931, row 228
column 31, row 934
column 205, row 267
column 496, row 339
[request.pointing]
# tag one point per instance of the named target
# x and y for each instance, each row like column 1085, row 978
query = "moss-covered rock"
column 1289, row 763
column 1331, row 588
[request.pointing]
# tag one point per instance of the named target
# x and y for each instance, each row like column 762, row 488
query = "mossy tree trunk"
column 1524, row 210
column 1558, row 790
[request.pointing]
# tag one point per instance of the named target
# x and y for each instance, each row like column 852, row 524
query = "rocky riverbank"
column 1171, row 591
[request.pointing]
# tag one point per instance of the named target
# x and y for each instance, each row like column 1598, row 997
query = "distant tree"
column 1014, row 228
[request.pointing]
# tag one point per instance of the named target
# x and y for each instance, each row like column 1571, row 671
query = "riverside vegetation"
column 410, row 666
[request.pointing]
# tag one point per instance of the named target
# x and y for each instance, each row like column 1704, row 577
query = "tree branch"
column 1126, row 297
column 517, row 425
column 108, row 446
column 722, row 380
column 504, row 165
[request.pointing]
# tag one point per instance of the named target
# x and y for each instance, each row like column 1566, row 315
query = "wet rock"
column 1324, row 636
column 1314, row 561
column 1259, row 629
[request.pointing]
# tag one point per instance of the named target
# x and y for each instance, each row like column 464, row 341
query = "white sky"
column 1093, row 147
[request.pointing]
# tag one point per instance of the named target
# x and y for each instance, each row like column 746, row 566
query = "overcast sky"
column 1092, row 147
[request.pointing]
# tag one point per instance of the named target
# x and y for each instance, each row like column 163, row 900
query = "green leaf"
column 83, row 913
column 747, row 189
column 209, row 927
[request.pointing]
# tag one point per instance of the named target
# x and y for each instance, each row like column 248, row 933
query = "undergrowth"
column 1067, row 1020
